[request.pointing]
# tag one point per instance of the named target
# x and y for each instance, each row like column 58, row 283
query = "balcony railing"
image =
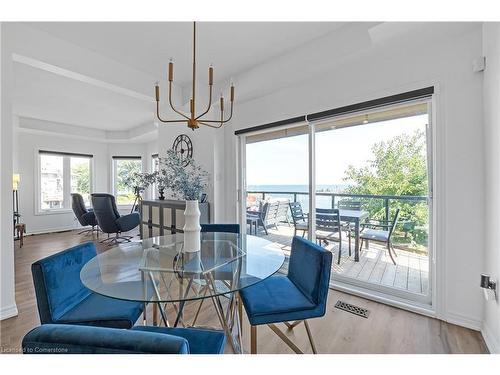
column 335, row 197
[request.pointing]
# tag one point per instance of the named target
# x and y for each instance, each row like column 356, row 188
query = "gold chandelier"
column 192, row 120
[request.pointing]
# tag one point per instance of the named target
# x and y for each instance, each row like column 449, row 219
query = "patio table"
column 356, row 217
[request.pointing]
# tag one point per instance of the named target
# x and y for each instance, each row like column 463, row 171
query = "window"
column 60, row 175
column 124, row 166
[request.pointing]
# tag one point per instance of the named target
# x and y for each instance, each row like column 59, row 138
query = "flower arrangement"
column 185, row 182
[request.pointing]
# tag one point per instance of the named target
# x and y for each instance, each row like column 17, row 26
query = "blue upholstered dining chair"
column 295, row 297
column 71, row 339
column 110, row 220
column 221, row 228
column 63, row 299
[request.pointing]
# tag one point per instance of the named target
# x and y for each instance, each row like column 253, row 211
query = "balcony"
column 411, row 272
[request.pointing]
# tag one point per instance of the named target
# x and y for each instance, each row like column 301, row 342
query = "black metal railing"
column 334, row 197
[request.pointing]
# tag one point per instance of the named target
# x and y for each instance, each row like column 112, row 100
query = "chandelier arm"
column 170, row 101
column 223, row 121
column 162, row 120
column 209, row 104
column 210, row 125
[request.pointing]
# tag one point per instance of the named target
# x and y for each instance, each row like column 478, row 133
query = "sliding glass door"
column 359, row 185
column 372, row 170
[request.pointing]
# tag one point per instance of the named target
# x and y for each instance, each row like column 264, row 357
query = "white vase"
column 192, row 228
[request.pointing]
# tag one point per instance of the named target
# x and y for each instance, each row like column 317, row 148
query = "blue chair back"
column 58, row 287
column 75, row 339
column 106, row 212
column 309, row 269
column 222, row 228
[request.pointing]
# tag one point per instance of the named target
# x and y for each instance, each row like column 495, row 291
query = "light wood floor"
column 411, row 273
column 387, row 330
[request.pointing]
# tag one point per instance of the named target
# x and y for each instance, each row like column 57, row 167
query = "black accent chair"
column 110, row 220
column 382, row 235
column 85, row 216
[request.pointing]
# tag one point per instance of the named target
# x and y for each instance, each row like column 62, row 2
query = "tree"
column 81, row 175
column 399, row 167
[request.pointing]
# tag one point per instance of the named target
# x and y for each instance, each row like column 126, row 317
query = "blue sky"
column 284, row 161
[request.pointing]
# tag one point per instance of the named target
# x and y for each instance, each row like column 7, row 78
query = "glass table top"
column 157, row 270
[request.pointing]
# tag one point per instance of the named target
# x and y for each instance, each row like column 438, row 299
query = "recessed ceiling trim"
column 79, row 77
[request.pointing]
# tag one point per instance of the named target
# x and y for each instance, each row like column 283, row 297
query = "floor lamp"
column 15, row 201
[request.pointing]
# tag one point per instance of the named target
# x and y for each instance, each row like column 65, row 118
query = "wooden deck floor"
column 411, row 273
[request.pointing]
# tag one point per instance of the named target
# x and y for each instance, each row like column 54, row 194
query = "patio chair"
column 282, row 214
column 298, row 218
column 349, row 204
column 369, row 233
column 266, row 217
column 328, row 224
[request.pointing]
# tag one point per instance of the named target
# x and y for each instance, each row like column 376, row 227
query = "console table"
column 162, row 217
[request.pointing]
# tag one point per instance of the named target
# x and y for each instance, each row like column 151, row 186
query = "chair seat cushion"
column 97, row 310
column 272, row 299
column 201, row 341
column 301, row 226
column 375, row 235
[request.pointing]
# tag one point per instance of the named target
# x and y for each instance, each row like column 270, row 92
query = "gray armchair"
column 85, row 217
column 110, row 220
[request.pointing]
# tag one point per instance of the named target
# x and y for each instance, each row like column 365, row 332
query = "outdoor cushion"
column 375, row 235
column 201, row 341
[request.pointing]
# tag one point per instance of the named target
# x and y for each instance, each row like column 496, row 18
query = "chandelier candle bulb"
column 170, row 71
column 210, row 75
column 157, row 92
column 222, row 104
column 232, row 93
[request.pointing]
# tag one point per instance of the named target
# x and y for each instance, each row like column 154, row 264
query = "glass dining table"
column 157, row 270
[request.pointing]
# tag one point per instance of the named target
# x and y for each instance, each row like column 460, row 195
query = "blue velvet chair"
column 85, row 217
column 63, row 299
column 110, row 220
column 295, row 297
column 221, row 228
column 71, row 339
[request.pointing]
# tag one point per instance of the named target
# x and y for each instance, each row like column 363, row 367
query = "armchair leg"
column 253, row 339
column 313, row 347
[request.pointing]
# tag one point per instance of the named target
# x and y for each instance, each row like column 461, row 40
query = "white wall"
column 7, row 301
column 26, row 153
column 440, row 60
column 491, row 97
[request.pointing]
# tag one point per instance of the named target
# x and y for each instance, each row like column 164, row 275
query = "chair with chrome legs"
column 110, row 220
column 84, row 216
column 295, row 297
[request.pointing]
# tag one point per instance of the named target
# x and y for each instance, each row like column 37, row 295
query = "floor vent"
column 359, row 311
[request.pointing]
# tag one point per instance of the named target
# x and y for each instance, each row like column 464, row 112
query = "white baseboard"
column 55, row 230
column 491, row 341
column 463, row 321
column 8, row 312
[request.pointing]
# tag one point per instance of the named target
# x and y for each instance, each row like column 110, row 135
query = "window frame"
column 66, row 180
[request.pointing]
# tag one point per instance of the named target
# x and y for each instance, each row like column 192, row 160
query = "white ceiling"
column 147, row 46
column 101, row 75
